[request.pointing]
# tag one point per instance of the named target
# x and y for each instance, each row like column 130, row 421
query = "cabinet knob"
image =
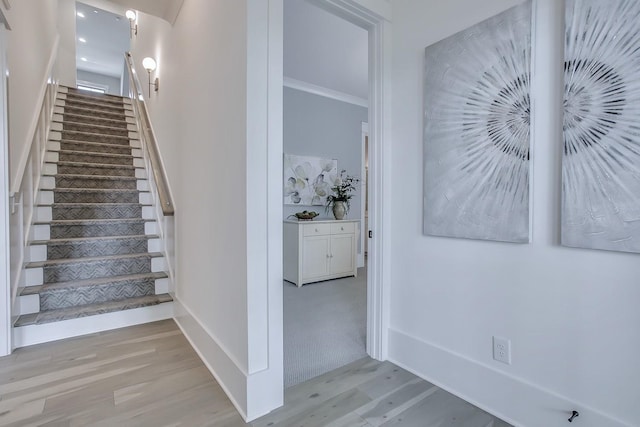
column 316, row 230
column 341, row 228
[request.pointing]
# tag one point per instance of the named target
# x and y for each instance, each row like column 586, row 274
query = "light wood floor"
column 149, row 375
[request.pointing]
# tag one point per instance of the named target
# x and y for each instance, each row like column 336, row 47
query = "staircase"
column 94, row 249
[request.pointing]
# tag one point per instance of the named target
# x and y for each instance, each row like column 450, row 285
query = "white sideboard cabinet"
column 319, row 250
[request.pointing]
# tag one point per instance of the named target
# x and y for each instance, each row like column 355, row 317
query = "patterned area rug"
column 324, row 326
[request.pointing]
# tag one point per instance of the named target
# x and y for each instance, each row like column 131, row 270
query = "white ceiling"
column 319, row 47
column 165, row 9
column 325, row 50
column 107, row 36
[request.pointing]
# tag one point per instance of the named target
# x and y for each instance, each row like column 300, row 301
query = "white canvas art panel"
column 601, row 156
column 476, row 130
column 308, row 180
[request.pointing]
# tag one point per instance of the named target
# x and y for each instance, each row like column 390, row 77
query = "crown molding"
column 323, row 91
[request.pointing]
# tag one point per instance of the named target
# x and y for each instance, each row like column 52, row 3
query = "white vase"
column 339, row 209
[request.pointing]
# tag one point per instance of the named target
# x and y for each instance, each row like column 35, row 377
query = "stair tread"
column 51, row 262
column 80, row 205
column 98, row 177
column 81, row 92
column 85, row 222
column 74, row 102
column 102, row 144
column 93, row 239
column 97, row 134
column 82, row 116
column 93, row 153
column 90, row 309
column 118, row 114
column 94, row 125
column 72, row 97
column 93, row 190
column 34, row 290
column 94, row 165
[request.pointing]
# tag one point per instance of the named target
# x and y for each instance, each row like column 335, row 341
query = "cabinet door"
column 342, row 253
column 315, row 257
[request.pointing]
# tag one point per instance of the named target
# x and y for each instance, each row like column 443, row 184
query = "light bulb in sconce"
column 133, row 28
column 150, row 65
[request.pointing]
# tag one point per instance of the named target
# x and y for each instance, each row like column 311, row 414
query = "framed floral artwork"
column 308, row 180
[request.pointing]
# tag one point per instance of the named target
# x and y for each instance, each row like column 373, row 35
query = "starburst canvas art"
column 308, row 180
column 476, row 130
column 601, row 161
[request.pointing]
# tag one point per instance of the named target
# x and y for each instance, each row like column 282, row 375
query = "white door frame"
column 364, row 229
column 5, row 244
column 379, row 29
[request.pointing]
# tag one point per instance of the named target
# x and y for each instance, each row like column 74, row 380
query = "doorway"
column 325, row 97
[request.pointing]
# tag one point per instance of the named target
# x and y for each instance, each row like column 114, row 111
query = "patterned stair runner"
column 96, row 257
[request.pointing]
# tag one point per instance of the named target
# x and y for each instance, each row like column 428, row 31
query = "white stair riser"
column 50, row 169
column 143, row 185
column 53, row 146
column 37, row 334
column 150, row 228
column 158, row 265
column 145, row 198
column 141, row 173
column 138, row 162
column 162, row 286
column 135, row 143
column 28, row 304
column 37, row 253
column 45, row 197
column 147, row 212
column 41, row 232
column 57, row 126
column 51, row 157
column 55, row 136
column 44, row 214
column 33, row 276
column 47, row 183
column 136, row 152
column 155, row 245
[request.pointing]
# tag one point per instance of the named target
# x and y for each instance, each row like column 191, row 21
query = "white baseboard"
column 227, row 372
column 512, row 399
column 36, row 334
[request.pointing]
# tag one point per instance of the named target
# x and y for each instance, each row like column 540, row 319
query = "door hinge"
column 370, row 234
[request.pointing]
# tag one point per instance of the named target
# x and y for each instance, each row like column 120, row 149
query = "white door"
column 342, row 253
column 315, row 257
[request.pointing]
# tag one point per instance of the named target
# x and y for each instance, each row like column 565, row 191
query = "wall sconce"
column 149, row 64
column 133, row 28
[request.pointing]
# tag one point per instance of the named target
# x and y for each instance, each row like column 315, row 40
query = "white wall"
column 67, row 44
column 208, row 115
column 113, row 84
column 31, row 41
column 571, row 314
column 322, row 127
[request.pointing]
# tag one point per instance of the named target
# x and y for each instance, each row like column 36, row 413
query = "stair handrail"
column 150, row 143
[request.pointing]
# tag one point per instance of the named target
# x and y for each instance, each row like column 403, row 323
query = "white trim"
column 36, row 334
column 364, row 188
column 451, row 371
column 24, row 158
column 5, row 246
column 378, row 273
column 230, row 375
column 323, row 91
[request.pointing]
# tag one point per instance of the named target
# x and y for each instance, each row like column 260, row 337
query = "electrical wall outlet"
column 502, row 350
